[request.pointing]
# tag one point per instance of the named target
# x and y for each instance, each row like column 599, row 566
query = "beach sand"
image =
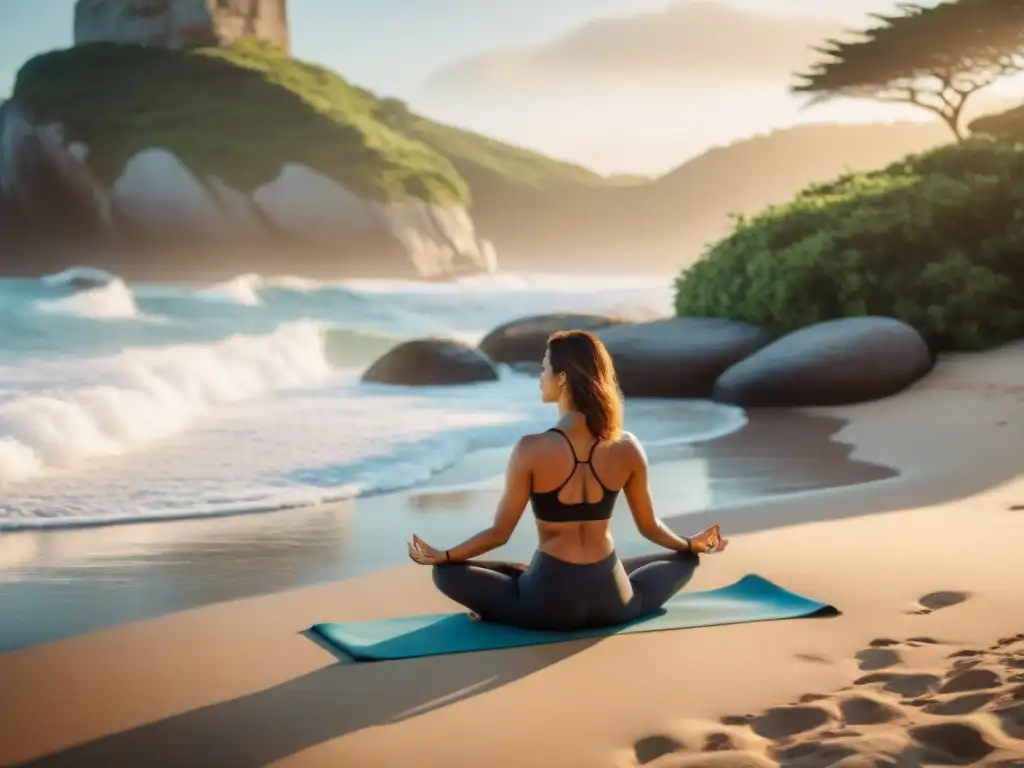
column 924, row 666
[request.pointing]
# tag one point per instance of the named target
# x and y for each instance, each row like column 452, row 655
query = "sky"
column 619, row 85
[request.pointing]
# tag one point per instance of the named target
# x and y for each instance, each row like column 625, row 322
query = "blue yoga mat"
column 752, row 598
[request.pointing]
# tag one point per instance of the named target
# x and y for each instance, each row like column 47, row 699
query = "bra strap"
column 571, row 449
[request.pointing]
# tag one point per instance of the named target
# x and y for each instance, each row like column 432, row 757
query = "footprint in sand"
column 873, row 659
column 783, row 722
column 814, row 753
column 719, row 742
column 975, row 679
column 956, row 742
column 868, row 710
column 961, row 705
column 650, row 748
column 883, row 642
column 936, row 601
column 1012, row 720
column 907, row 684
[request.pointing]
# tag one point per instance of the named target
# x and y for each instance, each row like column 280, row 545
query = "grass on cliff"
column 238, row 113
column 936, row 240
column 483, row 160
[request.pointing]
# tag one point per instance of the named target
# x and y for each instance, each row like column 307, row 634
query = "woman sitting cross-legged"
column 571, row 475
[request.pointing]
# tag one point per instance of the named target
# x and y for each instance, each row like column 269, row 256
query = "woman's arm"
column 510, row 509
column 638, row 496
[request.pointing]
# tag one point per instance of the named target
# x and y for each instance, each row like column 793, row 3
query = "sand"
column 923, row 666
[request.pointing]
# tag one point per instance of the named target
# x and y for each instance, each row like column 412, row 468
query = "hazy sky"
column 621, row 85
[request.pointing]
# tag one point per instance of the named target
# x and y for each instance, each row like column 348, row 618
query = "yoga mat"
column 752, row 598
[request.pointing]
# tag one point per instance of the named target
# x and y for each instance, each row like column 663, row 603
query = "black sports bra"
column 549, row 508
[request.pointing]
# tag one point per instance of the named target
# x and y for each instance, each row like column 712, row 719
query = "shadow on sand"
column 269, row 725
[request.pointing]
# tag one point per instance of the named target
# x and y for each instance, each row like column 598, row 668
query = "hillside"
column 238, row 112
column 1002, row 125
column 933, row 239
column 666, row 222
column 241, row 112
column 487, row 163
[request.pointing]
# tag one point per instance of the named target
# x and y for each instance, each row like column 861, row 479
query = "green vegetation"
column 241, row 112
column 238, row 113
column 491, row 167
column 935, row 57
column 936, row 240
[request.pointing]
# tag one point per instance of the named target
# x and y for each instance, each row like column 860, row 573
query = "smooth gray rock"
column 679, row 357
column 849, row 360
column 431, row 362
column 524, row 340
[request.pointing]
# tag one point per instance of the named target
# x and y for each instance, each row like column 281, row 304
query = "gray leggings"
column 553, row 594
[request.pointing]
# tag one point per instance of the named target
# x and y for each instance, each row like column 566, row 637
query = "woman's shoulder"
column 626, row 441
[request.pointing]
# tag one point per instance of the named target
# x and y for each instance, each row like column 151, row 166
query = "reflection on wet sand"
column 63, row 582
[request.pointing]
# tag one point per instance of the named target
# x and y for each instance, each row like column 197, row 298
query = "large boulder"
column 431, row 362
column 524, row 340
column 679, row 357
column 46, row 189
column 181, row 23
column 849, row 360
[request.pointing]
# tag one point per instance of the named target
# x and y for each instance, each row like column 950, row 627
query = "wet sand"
column 60, row 583
column 924, row 566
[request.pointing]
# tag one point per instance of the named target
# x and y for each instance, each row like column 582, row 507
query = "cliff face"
column 242, row 160
column 181, row 23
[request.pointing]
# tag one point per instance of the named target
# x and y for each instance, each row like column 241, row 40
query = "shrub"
column 936, row 240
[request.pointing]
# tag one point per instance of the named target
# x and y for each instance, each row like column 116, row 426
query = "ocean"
column 143, row 402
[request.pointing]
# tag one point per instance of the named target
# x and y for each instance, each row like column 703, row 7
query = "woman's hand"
column 424, row 554
column 708, row 541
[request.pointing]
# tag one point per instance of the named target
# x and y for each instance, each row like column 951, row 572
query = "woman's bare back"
column 582, row 481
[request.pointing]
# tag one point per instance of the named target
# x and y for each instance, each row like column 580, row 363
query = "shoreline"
column 239, row 684
column 69, row 581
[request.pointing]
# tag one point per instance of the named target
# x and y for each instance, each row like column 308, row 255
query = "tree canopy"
column 932, row 57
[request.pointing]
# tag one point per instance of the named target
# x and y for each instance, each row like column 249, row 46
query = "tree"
column 932, row 57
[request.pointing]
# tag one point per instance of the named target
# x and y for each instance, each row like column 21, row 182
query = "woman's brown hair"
column 590, row 374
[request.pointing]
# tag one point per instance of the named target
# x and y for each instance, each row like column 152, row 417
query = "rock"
column 430, row 362
column 307, row 205
column 181, row 23
column 42, row 181
column 524, row 340
column 157, row 200
column 166, row 200
column 679, row 357
column 527, row 369
column 849, row 360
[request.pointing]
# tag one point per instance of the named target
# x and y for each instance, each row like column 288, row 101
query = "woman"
column 575, row 579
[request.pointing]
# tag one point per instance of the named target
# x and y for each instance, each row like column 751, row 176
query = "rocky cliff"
column 243, row 160
column 181, row 23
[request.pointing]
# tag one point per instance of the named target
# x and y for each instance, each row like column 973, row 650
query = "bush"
column 936, row 240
